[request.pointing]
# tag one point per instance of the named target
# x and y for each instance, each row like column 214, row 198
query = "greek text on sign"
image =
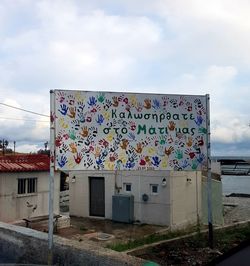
column 129, row 131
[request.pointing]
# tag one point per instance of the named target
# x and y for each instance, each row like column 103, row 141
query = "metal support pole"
column 51, row 180
column 209, row 179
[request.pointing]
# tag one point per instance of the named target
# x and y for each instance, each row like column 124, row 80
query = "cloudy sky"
column 160, row 46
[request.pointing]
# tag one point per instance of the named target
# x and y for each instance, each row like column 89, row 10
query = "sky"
column 161, row 46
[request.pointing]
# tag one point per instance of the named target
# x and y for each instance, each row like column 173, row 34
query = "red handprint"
column 78, row 158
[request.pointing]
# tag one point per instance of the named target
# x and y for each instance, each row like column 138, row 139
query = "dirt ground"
column 181, row 252
column 106, row 231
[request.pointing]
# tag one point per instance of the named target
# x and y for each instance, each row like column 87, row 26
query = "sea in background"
column 235, row 184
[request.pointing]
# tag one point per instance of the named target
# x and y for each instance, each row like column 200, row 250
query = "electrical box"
column 123, row 208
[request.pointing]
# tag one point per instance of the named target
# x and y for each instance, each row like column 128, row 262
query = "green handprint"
column 194, row 165
column 162, row 140
column 101, row 97
column 202, row 130
column 72, row 135
column 179, row 154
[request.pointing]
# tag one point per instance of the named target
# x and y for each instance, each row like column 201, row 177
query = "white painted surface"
column 177, row 203
column 14, row 207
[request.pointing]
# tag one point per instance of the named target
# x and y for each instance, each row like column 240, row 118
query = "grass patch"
column 82, row 228
column 231, row 236
column 224, row 239
column 131, row 244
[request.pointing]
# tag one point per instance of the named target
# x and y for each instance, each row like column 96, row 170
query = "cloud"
column 161, row 46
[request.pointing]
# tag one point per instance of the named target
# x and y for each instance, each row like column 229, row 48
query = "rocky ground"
column 236, row 209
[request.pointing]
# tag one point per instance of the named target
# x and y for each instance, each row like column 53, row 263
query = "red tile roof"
column 24, row 163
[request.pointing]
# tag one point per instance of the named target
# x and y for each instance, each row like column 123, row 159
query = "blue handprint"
column 156, row 104
column 184, row 164
column 62, row 161
column 131, row 136
column 99, row 161
column 198, row 120
column 92, row 101
column 64, row 109
column 129, row 164
column 81, row 117
column 201, row 158
column 100, row 119
column 156, row 161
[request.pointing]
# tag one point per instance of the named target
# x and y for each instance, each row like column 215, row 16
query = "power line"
column 23, row 110
column 22, row 119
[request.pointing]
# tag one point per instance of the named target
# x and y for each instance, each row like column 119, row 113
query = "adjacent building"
column 24, row 187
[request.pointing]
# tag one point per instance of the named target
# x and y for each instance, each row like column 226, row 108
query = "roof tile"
column 24, row 163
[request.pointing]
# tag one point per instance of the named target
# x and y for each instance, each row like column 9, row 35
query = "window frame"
column 151, row 189
column 26, row 186
column 125, row 187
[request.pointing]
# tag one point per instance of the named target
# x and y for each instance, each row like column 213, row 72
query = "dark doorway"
column 96, row 196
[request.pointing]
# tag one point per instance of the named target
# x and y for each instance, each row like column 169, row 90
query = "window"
column 127, row 187
column 27, row 186
column 154, row 189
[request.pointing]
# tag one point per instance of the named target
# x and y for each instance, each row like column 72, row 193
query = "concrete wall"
column 215, row 167
column 185, row 198
column 24, row 245
column 216, row 202
column 14, row 207
column 177, row 203
column 155, row 210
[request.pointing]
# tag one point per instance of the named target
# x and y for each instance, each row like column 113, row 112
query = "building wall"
column 216, row 202
column 215, row 167
column 177, row 203
column 185, row 198
column 14, row 207
column 155, row 210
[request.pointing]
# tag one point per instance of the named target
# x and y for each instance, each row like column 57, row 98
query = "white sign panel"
column 129, row 131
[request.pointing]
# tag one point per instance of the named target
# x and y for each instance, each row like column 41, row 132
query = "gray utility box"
column 123, row 208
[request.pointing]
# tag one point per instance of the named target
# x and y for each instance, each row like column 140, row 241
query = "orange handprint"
column 115, row 101
column 139, row 147
column 72, row 112
column 84, row 132
column 73, row 147
column 171, row 125
column 169, row 150
column 147, row 103
column 97, row 152
column 124, row 144
column 189, row 141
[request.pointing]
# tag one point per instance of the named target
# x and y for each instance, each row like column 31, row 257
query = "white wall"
column 156, row 210
column 185, row 197
column 216, row 167
column 176, row 204
column 14, row 207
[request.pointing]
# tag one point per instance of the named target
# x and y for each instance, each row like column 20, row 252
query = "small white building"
column 170, row 198
column 24, row 187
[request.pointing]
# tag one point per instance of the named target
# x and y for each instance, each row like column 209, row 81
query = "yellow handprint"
column 62, row 123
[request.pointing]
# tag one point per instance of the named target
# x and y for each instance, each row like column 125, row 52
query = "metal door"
column 97, row 196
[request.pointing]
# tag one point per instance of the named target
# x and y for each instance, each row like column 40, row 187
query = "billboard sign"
column 129, row 131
